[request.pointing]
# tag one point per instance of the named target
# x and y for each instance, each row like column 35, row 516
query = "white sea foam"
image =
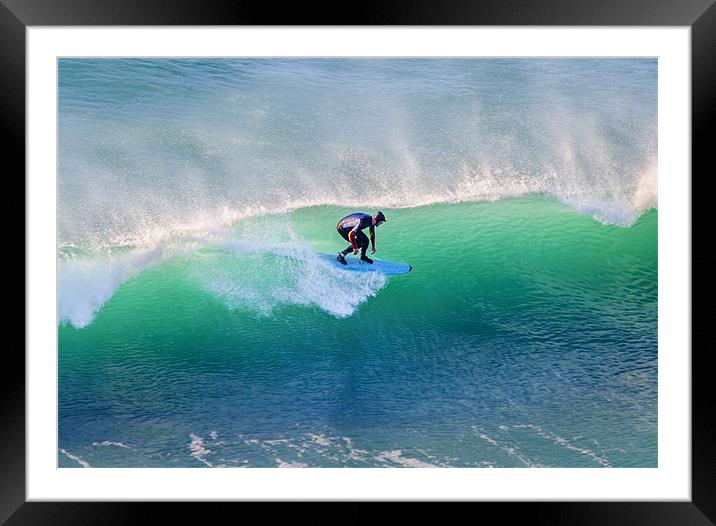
column 199, row 451
column 309, row 449
column 562, row 442
column 293, row 464
column 109, row 443
column 320, row 439
column 509, row 449
column 396, row 457
column 77, row 459
column 542, row 433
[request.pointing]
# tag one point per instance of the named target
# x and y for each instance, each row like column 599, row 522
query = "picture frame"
column 16, row 16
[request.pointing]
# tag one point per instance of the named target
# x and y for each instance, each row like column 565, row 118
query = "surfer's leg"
column 363, row 242
column 344, row 234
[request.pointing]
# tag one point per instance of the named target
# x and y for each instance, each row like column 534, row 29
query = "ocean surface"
column 198, row 325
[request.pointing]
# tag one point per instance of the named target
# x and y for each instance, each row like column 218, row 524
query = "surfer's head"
column 379, row 218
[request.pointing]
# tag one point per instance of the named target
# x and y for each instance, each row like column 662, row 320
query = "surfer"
column 351, row 228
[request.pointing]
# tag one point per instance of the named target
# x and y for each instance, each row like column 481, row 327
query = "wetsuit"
column 351, row 229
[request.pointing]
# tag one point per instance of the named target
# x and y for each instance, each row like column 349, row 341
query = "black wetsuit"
column 355, row 223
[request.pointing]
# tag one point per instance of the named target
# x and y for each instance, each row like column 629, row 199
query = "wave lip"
column 85, row 285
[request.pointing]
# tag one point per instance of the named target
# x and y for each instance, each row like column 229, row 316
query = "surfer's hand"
column 373, row 251
column 355, row 251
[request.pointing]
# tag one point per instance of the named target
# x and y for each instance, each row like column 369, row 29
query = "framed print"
column 500, row 308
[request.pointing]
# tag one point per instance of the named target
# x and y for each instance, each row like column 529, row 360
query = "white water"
column 148, row 148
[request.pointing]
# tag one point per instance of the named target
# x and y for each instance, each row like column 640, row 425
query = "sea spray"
column 153, row 144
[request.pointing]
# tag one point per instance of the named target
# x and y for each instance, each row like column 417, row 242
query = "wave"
column 267, row 269
column 266, row 261
column 160, row 159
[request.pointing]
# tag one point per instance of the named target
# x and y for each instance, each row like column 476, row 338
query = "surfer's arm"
column 372, row 238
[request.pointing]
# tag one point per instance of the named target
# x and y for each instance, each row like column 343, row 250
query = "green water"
column 526, row 335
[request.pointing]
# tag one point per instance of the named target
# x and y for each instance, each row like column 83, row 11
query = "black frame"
column 699, row 15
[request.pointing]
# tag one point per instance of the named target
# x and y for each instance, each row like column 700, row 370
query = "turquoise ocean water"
column 198, row 325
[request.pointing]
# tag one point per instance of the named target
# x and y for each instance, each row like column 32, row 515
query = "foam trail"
column 510, row 450
column 283, row 464
column 77, row 459
column 109, row 443
column 397, row 458
column 199, row 451
column 555, row 439
column 263, row 276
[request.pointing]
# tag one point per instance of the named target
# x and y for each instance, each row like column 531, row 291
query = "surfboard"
column 379, row 265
